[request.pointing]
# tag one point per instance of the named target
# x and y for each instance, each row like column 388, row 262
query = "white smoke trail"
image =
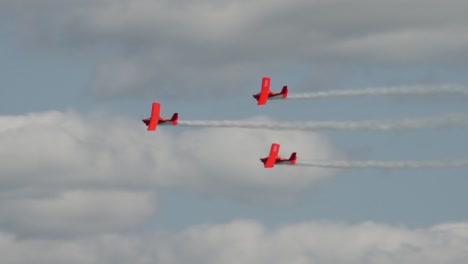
column 395, row 90
column 385, row 164
column 448, row 121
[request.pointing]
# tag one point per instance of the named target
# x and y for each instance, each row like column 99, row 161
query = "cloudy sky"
column 82, row 181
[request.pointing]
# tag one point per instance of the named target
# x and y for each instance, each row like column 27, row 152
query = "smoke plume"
column 385, row 164
column 447, row 121
column 395, row 90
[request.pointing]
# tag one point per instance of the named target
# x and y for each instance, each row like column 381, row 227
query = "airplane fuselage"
column 271, row 95
column 278, row 160
column 162, row 121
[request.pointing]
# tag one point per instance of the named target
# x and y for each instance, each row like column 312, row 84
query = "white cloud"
column 246, row 241
column 188, row 48
column 100, row 173
column 103, row 151
column 77, row 213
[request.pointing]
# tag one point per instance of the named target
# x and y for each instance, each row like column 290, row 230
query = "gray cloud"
column 68, row 174
column 184, row 47
column 251, row 242
column 101, row 150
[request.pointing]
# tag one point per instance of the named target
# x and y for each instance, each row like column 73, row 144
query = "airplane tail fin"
column 175, row 118
column 293, row 158
column 284, row 91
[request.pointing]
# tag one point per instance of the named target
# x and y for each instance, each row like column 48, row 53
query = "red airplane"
column 273, row 158
column 266, row 94
column 153, row 121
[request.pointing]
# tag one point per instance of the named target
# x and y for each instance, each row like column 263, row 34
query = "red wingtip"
column 274, row 150
column 264, row 91
column 154, row 119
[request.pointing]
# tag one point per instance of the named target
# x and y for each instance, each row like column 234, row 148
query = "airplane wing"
column 274, row 150
column 265, row 90
column 155, row 111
